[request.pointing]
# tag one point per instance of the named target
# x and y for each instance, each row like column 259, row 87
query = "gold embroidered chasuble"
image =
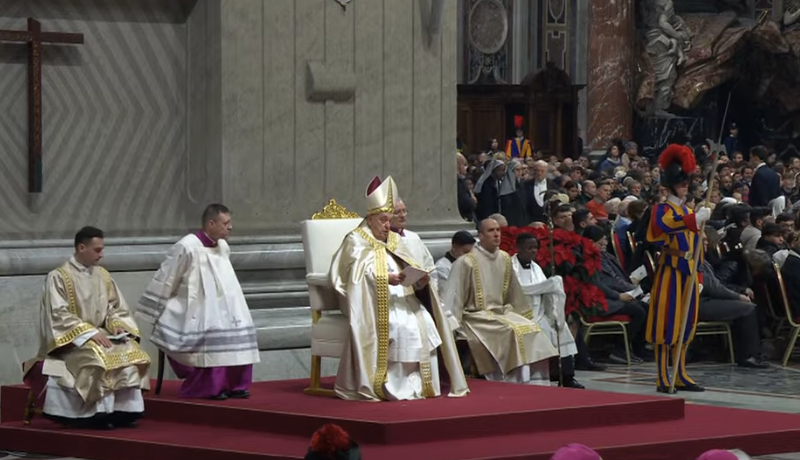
column 77, row 302
column 484, row 299
column 365, row 301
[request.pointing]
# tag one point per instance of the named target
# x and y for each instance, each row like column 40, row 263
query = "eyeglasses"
column 401, row 213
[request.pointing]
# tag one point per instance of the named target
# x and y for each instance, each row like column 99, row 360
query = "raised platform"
column 496, row 421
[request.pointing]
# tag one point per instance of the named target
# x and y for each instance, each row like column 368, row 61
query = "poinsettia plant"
column 577, row 261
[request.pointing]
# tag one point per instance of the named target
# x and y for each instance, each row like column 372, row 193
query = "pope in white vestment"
column 488, row 307
column 199, row 314
column 391, row 353
column 89, row 362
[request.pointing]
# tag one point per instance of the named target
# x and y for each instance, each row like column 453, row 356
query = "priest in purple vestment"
column 199, row 314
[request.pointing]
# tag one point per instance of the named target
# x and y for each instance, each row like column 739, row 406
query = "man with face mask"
column 391, row 353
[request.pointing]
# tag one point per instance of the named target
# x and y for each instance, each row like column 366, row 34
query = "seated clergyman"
column 487, row 306
column 94, row 367
column 391, row 353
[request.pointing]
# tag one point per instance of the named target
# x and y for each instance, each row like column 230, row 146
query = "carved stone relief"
column 487, row 31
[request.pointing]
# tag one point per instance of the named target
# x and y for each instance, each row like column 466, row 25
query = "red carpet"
column 497, row 421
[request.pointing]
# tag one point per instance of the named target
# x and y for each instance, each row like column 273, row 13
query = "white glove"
column 703, row 214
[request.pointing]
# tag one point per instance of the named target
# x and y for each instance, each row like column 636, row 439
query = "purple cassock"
column 210, row 382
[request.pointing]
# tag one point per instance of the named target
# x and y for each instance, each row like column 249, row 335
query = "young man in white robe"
column 391, row 353
column 90, row 363
column 199, row 314
column 487, row 306
column 547, row 298
column 461, row 243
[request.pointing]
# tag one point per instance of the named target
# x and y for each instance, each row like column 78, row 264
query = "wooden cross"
column 34, row 37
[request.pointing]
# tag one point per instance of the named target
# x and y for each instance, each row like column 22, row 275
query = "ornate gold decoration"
column 67, row 338
column 334, row 210
column 519, row 329
column 120, row 359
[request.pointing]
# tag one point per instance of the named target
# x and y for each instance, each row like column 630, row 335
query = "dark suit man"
column 766, row 185
column 534, row 193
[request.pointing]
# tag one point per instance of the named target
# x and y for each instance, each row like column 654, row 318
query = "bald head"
column 499, row 218
column 489, row 234
column 540, row 170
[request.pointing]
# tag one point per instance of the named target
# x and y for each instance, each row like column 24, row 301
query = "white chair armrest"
column 318, row 279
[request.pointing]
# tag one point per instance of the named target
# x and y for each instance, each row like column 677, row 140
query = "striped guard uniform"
column 673, row 227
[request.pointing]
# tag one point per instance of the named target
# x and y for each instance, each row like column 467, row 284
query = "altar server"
column 89, row 352
column 547, row 298
column 199, row 314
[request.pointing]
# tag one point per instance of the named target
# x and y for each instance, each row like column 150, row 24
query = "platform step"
column 703, row 428
column 490, row 409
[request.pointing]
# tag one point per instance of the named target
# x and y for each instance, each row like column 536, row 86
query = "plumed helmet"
column 677, row 164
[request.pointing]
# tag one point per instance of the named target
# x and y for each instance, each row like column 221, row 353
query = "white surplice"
column 547, row 299
column 409, row 325
column 418, row 249
column 199, row 314
column 440, row 275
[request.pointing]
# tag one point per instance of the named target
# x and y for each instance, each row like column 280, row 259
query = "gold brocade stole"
column 112, row 360
column 382, row 293
column 520, row 330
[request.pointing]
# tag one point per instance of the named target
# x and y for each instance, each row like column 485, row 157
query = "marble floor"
column 775, row 389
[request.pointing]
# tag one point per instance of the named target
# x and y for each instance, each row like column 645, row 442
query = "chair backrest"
column 783, row 296
column 649, row 265
column 322, row 236
column 321, row 239
column 615, row 246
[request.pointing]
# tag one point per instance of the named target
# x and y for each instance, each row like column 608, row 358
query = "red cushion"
column 605, row 319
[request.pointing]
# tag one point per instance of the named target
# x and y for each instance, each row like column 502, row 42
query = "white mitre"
column 381, row 196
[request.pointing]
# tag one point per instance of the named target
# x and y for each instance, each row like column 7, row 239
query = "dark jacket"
column 466, row 205
column 488, row 200
column 765, row 187
column 534, row 212
column 791, row 279
column 713, row 288
column 613, row 281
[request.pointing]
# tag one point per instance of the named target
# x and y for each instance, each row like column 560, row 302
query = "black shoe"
column 220, row 397
column 665, row 389
column 754, row 363
column 572, row 383
column 239, row 394
column 590, row 365
column 692, row 387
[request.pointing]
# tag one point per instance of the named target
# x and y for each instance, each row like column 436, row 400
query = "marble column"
column 294, row 103
column 611, row 44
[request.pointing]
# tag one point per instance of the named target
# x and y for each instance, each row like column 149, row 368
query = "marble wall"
column 610, row 80
column 114, row 119
column 306, row 101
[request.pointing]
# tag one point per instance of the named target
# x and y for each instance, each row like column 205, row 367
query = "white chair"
column 322, row 236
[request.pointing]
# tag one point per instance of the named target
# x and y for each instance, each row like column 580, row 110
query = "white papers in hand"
column 413, row 275
column 638, row 275
column 636, row 293
column 118, row 336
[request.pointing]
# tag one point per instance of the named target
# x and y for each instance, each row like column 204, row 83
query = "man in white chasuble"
column 391, row 353
column 487, row 306
column 199, row 314
column 89, row 350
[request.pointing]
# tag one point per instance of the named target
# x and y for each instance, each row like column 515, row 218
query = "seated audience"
column 771, row 240
column 620, row 292
column 718, row 303
column 791, row 276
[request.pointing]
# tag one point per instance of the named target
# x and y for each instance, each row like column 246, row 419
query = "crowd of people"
column 753, row 213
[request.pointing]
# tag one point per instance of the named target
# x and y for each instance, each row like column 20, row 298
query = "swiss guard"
column 676, row 230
